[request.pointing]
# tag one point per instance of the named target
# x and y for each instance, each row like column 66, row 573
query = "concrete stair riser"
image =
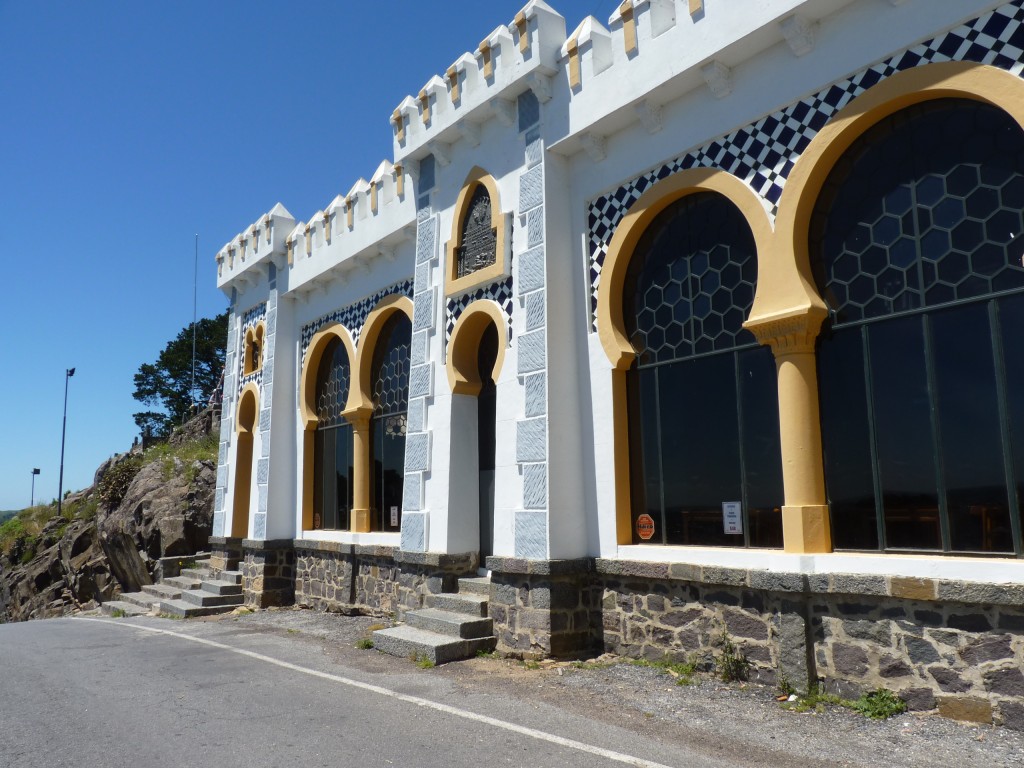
column 221, row 588
column 473, row 605
column 460, row 625
column 235, row 577
column 206, row 599
column 182, row 582
column 128, row 609
column 141, row 599
column 476, row 586
column 199, row 574
column 186, row 610
column 410, row 642
column 162, row 591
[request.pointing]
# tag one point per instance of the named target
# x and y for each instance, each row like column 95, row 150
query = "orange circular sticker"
column 645, row 527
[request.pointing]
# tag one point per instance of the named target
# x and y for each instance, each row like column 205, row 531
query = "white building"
column 696, row 319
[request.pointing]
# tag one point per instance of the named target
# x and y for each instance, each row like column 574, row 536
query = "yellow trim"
column 254, row 335
column 499, row 221
column 453, row 81
column 309, row 239
column 373, row 197
column 572, row 47
column 485, row 52
column 522, row 27
column 464, row 346
column 399, row 122
column 399, row 180
column 348, row 212
column 290, row 246
column 610, row 325
column 307, row 405
column 696, row 6
column 628, row 26
column 246, row 418
column 327, row 227
column 424, row 100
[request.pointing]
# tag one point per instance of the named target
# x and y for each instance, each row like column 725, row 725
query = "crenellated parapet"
column 482, row 85
column 245, row 259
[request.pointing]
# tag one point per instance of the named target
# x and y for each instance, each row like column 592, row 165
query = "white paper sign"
column 732, row 516
column 394, row 516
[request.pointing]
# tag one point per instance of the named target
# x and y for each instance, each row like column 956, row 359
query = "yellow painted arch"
column 453, row 283
column 464, row 346
column 311, row 364
column 361, row 395
column 247, row 413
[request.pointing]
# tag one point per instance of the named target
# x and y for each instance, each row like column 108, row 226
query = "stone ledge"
column 256, row 545
column 516, row 565
column 375, row 550
column 333, row 547
column 459, row 561
column 227, row 542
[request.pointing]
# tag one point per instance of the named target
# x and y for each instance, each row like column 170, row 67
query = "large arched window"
column 390, row 381
column 332, row 468
column 702, row 395
column 916, row 245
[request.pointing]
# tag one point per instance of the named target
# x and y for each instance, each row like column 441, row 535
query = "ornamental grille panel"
column 923, row 210
column 332, row 385
column 690, row 284
column 478, row 241
column 391, row 371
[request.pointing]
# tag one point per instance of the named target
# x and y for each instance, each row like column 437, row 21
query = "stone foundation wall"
column 372, row 579
column 952, row 646
column 225, row 553
column 268, row 573
column 543, row 607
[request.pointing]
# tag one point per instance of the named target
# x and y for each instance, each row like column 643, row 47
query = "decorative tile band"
column 763, row 154
column 354, row 315
column 501, row 292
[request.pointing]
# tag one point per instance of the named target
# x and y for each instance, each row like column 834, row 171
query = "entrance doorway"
column 485, row 417
column 247, row 409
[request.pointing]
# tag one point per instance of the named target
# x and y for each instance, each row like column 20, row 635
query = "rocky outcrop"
column 166, row 510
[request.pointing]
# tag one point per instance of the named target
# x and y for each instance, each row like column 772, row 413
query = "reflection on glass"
column 762, row 454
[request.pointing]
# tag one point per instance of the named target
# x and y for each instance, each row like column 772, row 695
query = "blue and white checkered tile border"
column 763, row 154
column 249, row 319
column 500, row 292
column 354, row 315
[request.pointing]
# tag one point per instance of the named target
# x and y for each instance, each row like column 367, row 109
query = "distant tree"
column 167, row 383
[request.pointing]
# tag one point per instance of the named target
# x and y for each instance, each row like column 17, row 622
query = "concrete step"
column 474, row 605
column 163, row 591
column 183, row 582
column 141, row 599
column 186, row 610
column 199, row 573
column 479, row 585
column 218, row 587
column 410, row 642
column 235, row 577
column 209, row 599
column 128, row 609
column 461, row 625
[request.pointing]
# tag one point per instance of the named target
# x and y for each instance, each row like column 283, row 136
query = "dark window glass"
column 390, row 375
column 702, row 399
column 916, row 245
column 1011, row 321
column 332, row 448
column 479, row 242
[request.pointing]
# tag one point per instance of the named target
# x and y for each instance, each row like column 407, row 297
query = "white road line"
column 533, row 733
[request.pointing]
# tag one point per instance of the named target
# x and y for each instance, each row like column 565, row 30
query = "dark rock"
column 849, row 659
column 893, row 666
column 1013, row 715
column 1008, row 681
column 920, row 650
column 971, row 622
column 948, row 680
column 918, row 699
column 987, row 649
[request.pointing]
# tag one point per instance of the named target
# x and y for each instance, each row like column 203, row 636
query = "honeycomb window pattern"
column 690, row 283
column 332, row 385
column 391, row 369
column 925, row 209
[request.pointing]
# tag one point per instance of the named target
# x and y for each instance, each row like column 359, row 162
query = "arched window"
column 916, row 245
column 702, row 395
column 253, row 358
column 478, row 239
column 332, row 469
column 390, row 381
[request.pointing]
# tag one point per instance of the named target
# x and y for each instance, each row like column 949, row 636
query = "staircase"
column 199, row 591
column 453, row 626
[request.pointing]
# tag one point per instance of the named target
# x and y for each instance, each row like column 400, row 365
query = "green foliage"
column 117, row 613
column 364, row 644
column 732, row 664
column 879, row 704
column 114, row 484
column 20, row 534
column 167, row 383
column 422, row 661
column 204, row 449
column 683, row 672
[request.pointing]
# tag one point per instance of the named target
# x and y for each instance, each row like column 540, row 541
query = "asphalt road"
column 149, row 692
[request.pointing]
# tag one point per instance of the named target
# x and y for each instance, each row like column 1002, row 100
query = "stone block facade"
column 225, row 553
column 268, row 573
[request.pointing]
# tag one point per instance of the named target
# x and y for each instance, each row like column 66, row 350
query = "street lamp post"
column 35, row 471
column 63, row 432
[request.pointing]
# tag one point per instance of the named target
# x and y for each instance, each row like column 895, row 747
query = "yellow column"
column 805, row 520
column 360, row 420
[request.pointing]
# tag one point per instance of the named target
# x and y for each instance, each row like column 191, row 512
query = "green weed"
column 732, row 665
column 364, row 643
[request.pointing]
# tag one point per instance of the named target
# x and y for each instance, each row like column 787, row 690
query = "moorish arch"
column 246, row 419
column 677, row 285
column 903, row 214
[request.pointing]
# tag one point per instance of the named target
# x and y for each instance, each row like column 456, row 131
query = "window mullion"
column 995, row 327
column 933, row 411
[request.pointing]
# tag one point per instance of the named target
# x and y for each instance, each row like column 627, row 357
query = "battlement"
column 246, row 257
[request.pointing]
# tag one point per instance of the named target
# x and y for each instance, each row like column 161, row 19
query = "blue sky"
column 126, row 128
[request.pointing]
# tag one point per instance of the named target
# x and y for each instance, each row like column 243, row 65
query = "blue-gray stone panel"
column 262, row 507
column 219, row 503
column 535, row 486
column 263, row 471
column 535, row 311
column 423, row 311
column 531, row 271
column 418, row 352
column 531, row 532
column 423, row 276
column 265, row 420
column 426, row 235
column 531, row 440
column 529, row 110
column 534, row 149
column 222, row 476
column 536, row 395
column 535, row 227
column 416, row 418
column 414, row 525
column 218, row 523
column 531, row 188
column 272, row 322
column 259, row 525
column 532, row 352
column 412, row 493
column 417, row 453
column 420, row 380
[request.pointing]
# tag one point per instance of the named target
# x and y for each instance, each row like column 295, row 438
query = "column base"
column 360, row 521
column 806, row 529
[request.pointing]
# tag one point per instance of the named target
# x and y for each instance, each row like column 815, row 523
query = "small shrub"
column 117, row 613
column 364, row 643
column 482, row 654
column 879, row 704
column 733, row 665
column 114, row 484
column 683, row 672
column 423, row 662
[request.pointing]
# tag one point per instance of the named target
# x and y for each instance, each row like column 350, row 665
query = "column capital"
column 789, row 333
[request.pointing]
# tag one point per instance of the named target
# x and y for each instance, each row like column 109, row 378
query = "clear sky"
column 126, row 128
